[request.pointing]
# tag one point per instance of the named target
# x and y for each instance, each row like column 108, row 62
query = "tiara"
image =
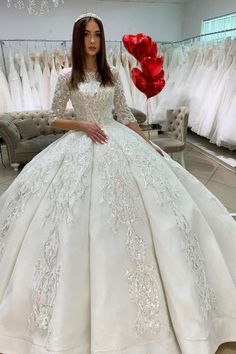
column 88, row 14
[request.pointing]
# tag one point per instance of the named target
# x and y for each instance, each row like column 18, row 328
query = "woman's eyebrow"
column 94, row 31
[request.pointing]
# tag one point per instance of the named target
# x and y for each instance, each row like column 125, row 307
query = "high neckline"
column 91, row 75
column 90, row 71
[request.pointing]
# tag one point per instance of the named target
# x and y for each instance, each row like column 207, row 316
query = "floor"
column 220, row 180
column 222, row 155
column 219, row 176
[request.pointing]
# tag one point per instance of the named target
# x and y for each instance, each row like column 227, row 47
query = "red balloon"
column 161, row 75
column 150, row 80
column 140, row 45
column 152, row 67
column 155, row 87
column 139, row 79
column 153, row 50
column 150, row 87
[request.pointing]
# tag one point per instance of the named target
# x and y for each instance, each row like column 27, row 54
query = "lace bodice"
column 91, row 101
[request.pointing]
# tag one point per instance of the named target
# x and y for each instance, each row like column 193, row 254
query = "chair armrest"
column 10, row 134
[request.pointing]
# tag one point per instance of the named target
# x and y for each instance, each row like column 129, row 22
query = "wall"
column 198, row 10
column 161, row 21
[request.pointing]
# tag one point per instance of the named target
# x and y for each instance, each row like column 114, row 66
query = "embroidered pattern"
column 156, row 174
column 45, row 283
column 68, row 186
column 119, row 191
column 36, row 176
column 145, row 293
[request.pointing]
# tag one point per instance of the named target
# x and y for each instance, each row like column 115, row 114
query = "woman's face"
column 92, row 38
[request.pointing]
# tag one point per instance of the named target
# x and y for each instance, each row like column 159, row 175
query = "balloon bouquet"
column 149, row 80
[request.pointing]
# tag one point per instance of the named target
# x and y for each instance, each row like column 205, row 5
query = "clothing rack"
column 198, row 36
column 3, row 42
column 63, row 42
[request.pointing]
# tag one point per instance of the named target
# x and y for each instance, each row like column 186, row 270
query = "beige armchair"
column 174, row 139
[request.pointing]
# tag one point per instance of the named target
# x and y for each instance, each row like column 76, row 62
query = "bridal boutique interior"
column 200, row 73
column 200, row 69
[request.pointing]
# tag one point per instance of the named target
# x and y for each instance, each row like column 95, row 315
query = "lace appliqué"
column 70, row 183
column 68, row 186
column 45, row 283
column 36, row 178
column 61, row 96
column 119, row 191
column 144, row 292
column 192, row 248
column 156, row 174
column 193, row 253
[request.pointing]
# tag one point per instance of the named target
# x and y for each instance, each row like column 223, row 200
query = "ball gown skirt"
column 112, row 248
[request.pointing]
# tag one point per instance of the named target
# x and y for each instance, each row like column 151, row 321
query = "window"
column 219, row 24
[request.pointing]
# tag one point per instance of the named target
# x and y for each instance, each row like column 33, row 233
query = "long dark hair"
column 78, row 55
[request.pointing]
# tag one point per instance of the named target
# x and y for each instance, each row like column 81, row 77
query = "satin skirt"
column 113, row 249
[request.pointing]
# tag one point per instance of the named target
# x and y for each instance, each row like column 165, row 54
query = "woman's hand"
column 94, row 132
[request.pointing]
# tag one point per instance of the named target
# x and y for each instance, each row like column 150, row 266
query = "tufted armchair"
column 27, row 133
column 173, row 140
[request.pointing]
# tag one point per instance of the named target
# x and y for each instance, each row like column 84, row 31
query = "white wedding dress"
column 27, row 95
column 112, row 248
column 6, row 104
column 15, row 86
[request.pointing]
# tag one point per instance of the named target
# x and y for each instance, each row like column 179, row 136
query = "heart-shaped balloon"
column 138, row 79
column 155, row 87
column 152, row 66
column 139, row 45
column 153, row 50
column 150, row 87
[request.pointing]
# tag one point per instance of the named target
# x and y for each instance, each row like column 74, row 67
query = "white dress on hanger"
column 32, row 84
column 228, row 94
column 39, row 78
column 110, row 55
column 227, row 134
column 53, row 79
column 125, row 64
column 66, row 62
column 6, row 104
column 213, row 96
column 112, row 248
column 15, row 86
column 28, row 100
column 124, row 80
column 173, row 93
column 46, row 83
column 191, row 85
column 206, row 76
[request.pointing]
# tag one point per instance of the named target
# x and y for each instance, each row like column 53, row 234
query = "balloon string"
column 148, row 118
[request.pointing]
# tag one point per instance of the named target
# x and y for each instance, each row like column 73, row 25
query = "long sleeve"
column 122, row 110
column 61, row 97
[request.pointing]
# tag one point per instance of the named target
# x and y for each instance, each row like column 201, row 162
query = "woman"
column 106, row 245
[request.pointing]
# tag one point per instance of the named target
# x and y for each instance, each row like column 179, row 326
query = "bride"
column 107, row 245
